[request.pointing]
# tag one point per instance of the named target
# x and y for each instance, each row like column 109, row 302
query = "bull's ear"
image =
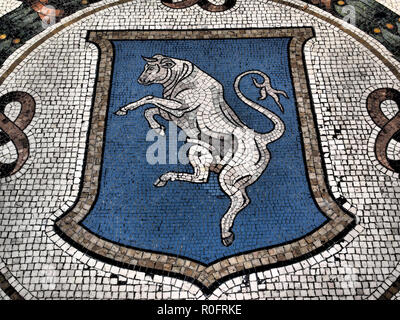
column 167, row 63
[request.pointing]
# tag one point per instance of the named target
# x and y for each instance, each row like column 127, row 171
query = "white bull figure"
column 194, row 101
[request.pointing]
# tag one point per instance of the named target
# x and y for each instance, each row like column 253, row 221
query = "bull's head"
column 157, row 70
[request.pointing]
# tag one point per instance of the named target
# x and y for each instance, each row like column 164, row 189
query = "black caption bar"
column 200, row 309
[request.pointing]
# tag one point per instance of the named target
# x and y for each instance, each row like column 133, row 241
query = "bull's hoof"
column 120, row 112
column 160, row 183
column 228, row 239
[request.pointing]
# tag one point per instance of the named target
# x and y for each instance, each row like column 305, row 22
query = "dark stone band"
column 8, row 289
column 204, row 4
column 14, row 130
column 390, row 128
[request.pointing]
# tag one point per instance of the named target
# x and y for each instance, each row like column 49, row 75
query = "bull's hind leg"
column 234, row 179
column 234, row 185
column 200, row 158
column 153, row 123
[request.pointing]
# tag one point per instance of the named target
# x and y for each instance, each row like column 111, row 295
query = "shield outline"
column 206, row 277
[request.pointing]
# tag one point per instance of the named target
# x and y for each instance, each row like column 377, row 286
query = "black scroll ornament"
column 390, row 128
column 14, row 130
column 204, row 4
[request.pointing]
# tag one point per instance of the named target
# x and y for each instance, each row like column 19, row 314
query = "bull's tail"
column 265, row 90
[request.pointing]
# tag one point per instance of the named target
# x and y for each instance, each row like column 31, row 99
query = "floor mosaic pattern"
column 221, row 149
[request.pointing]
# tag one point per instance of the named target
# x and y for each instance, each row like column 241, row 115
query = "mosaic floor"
column 199, row 149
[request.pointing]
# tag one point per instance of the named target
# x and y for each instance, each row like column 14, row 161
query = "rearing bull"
column 194, row 101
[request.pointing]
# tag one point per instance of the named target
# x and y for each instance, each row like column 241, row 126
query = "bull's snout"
column 143, row 81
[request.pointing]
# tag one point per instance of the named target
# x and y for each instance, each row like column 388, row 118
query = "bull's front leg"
column 153, row 124
column 134, row 105
column 173, row 107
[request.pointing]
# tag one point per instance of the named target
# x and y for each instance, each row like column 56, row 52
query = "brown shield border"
column 207, row 277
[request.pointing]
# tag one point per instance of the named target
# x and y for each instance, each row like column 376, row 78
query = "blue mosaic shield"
column 176, row 229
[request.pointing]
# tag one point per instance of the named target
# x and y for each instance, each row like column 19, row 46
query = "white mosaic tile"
column 393, row 5
column 8, row 5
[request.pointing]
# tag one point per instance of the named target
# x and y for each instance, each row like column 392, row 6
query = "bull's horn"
column 149, row 59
